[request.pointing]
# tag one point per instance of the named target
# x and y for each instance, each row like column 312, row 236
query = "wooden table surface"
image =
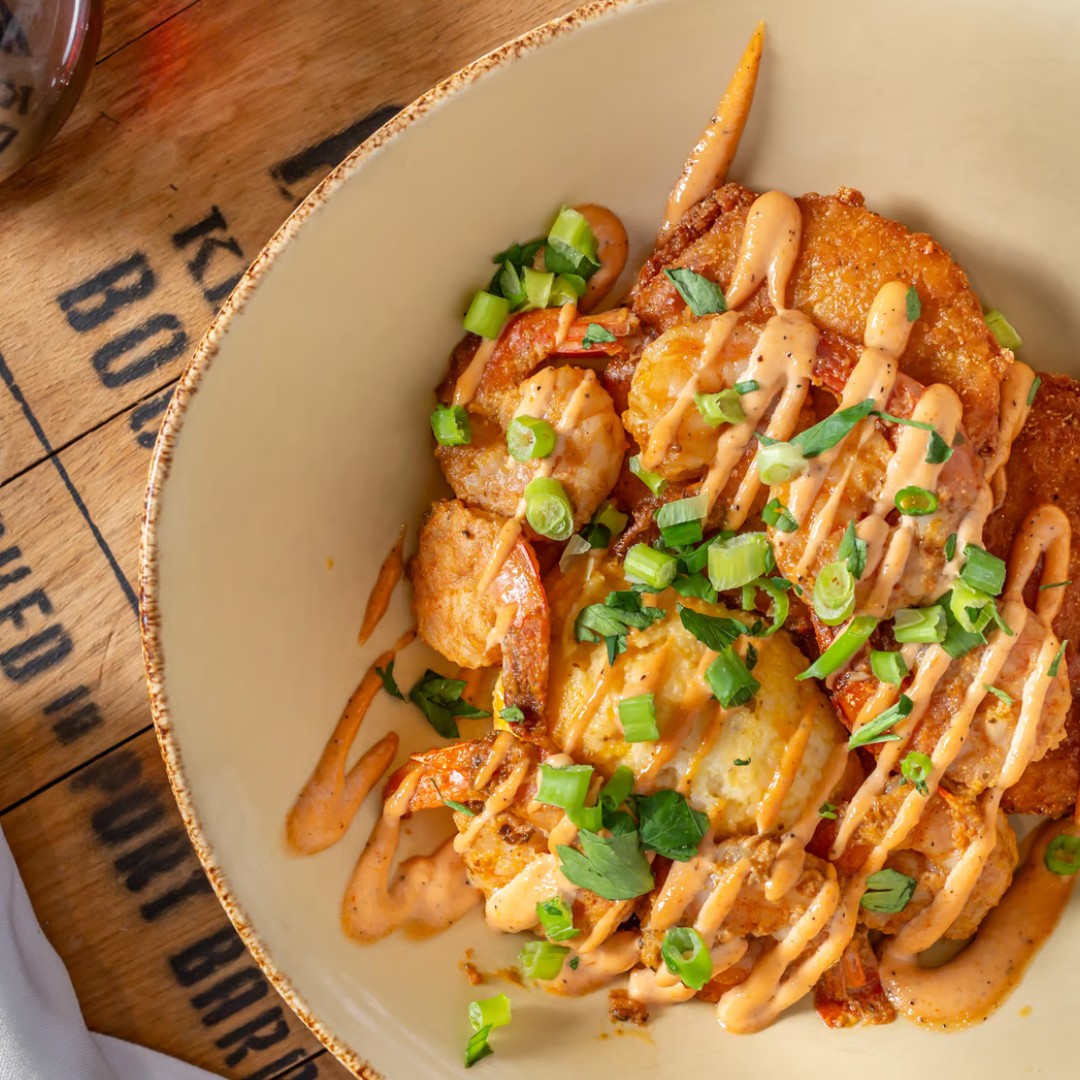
column 204, row 123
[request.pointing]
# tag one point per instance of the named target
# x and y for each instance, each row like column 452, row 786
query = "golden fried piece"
column 1045, row 468
column 847, row 254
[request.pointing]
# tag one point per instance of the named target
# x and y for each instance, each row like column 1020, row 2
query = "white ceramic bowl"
column 299, row 435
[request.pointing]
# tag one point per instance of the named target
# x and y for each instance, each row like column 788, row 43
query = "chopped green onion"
column 537, row 287
column 595, row 334
column 653, row 481
column 490, row 1012
column 542, row 959
column 564, row 786
column 914, row 305
column 1003, row 330
column 723, row 407
column 557, row 919
column 834, row 594
column 486, row 315
column 877, row 730
column 606, row 523
column 696, row 561
column 579, row 545
column 919, row 625
column 548, row 509
column 450, row 424
column 461, row 808
column 888, row 891
column 827, row 810
column 983, row 571
column 748, row 386
column 701, row 295
column 1004, row 698
column 850, row 640
column 916, row 501
column 650, row 567
column 1033, row 391
column 739, row 762
column 888, row 667
column 507, row 282
column 712, row 631
column 616, row 791
column 680, row 521
column 528, row 438
column 958, row 641
column 638, row 718
column 477, row 1047
column 730, row 680
column 566, row 289
column 572, row 228
column 828, row 432
column 853, row 550
column 686, row 956
column 1063, row 854
column 776, row 514
column 950, row 547
column 971, row 608
column 779, row 462
column 917, row 768
column 779, row 607
column 1055, row 585
column 740, row 560
column 1055, row 664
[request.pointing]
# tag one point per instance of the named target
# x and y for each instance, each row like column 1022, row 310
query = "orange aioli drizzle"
column 389, row 575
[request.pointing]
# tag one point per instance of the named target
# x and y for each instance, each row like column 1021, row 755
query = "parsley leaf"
column 439, row 699
column 596, row 334
column 669, row 826
column 827, row 810
column 914, row 304
column 888, row 891
column 874, row 731
column 389, row 682
column 939, row 451
column 612, row 620
column 695, row 585
column 828, row 432
column 852, row 550
column 702, row 296
column 711, row 630
column 613, row 867
column 512, row 714
column 461, row 808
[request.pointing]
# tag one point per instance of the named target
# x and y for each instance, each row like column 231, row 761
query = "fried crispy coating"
column 1045, row 468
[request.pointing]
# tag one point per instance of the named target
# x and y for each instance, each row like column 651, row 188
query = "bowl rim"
column 165, row 449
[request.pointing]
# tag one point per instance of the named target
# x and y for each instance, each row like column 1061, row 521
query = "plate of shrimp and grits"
column 640, row 636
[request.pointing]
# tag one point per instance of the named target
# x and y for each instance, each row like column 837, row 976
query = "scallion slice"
column 1055, row 664
column 606, row 523
column 723, row 407
column 740, row 560
column 653, row 481
column 888, row 667
column 450, row 425
column 916, row 501
column 1001, row 695
column 542, row 959
column 776, row 514
column 680, row 521
column 878, row 729
column 508, row 283
column 730, row 680
column 548, row 509
column 850, row 640
column 537, row 287
column 1003, row 330
column 477, row 1047
column 1033, row 391
column 983, row 571
column 779, row 462
column 557, row 919
column 748, row 386
column 565, row 786
column 528, row 438
column 917, row 768
column 489, row 1012
column 486, row 315
column 638, row 718
column 686, row 956
column 777, row 591
column 825, row 434
column 1063, row 854
column 834, row 594
column 566, row 289
column 971, row 608
column 919, row 625
column 647, row 566
column 572, row 228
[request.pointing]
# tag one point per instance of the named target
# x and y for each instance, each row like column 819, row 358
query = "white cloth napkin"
column 42, row 1033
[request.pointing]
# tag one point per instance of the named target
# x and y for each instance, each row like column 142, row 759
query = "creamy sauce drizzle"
column 389, row 575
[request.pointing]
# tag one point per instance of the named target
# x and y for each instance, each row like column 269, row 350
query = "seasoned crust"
column 847, row 254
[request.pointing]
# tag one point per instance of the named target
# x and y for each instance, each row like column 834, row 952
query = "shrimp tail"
column 850, row 992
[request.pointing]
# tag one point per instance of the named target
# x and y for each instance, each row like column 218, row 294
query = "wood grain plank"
column 188, row 149
column 123, row 899
column 126, row 20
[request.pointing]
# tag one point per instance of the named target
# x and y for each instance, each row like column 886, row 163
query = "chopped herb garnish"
column 715, row 632
column 915, row 501
column 888, row 891
column 730, row 680
column 637, row 715
column 998, row 693
column 1033, row 391
column 748, row 386
column 850, row 640
column 1056, row 662
column 938, row 451
column 557, row 919
column 564, row 786
column 389, row 682
column 686, row 956
column 613, row 867
column 439, row 699
column 542, row 959
column 1055, row 585
column 888, row 667
column 1003, row 330
column 573, row 962
column 461, row 808
column 701, row 295
column 916, row 768
column 983, row 571
column 950, row 547
column 852, row 550
column 612, row 620
column 512, row 714
column 490, row 1012
column 668, row 825
column 914, row 305
column 478, row 1047
column 653, row 481
column 595, row 334
column 739, row 762
column 826, row 434
column 776, row 514
column 827, row 810
column 877, row 730
column 1063, row 854
column 450, row 425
